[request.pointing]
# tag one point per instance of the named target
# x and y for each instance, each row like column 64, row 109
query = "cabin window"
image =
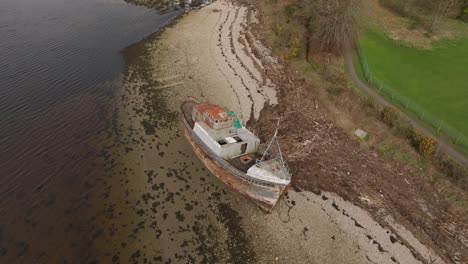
column 222, row 142
column 243, row 148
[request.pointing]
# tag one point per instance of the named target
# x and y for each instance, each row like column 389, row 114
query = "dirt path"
column 444, row 146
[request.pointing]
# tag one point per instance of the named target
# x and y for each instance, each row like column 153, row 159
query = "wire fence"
column 437, row 125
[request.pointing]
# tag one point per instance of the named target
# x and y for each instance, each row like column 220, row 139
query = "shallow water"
column 60, row 64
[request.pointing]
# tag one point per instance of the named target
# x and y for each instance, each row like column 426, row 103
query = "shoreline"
column 173, row 68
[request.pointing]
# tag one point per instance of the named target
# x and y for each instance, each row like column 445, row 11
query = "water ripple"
column 55, row 54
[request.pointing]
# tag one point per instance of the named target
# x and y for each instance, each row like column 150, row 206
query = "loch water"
column 60, row 65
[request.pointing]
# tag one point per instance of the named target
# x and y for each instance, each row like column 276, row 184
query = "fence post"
column 440, row 124
column 438, row 148
column 422, row 116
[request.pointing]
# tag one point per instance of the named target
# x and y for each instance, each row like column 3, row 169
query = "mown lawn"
column 436, row 79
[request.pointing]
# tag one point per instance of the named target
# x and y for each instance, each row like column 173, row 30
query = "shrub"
column 404, row 129
column 416, row 137
column 424, row 144
column 390, row 116
column 294, row 48
column 457, row 172
column 289, row 11
column 196, row 3
column 336, row 79
column 277, row 30
column 427, row 146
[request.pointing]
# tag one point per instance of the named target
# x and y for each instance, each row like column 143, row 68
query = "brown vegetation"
column 332, row 24
column 162, row 5
column 441, row 9
column 383, row 174
column 336, row 23
column 390, row 116
column 455, row 172
column 427, row 13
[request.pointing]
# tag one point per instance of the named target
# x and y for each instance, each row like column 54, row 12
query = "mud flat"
column 172, row 210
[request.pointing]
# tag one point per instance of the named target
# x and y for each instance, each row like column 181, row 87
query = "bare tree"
column 441, row 9
column 334, row 23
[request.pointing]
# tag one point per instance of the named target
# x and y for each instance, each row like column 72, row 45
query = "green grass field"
column 436, row 80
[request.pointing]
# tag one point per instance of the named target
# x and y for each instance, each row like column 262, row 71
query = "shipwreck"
column 234, row 154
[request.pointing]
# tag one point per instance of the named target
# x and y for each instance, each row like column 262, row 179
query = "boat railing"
column 266, row 155
column 284, row 171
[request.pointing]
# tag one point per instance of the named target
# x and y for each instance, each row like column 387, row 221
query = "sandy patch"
column 207, row 56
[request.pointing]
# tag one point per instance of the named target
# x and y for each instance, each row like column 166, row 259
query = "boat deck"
column 243, row 163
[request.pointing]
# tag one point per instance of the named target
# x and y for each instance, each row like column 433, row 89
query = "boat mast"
column 271, row 142
column 274, row 151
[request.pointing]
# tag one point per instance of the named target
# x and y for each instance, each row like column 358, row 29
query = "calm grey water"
column 59, row 67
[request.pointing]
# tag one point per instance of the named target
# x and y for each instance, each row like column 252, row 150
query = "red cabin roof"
column 215, row 112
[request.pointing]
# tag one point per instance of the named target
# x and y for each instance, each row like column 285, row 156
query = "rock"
column 456, row 259
column 360, row 133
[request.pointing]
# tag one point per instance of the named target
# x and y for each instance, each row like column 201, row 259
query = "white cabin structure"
column 216, row 129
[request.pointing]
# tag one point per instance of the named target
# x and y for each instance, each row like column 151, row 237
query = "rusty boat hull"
column 265, row 197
